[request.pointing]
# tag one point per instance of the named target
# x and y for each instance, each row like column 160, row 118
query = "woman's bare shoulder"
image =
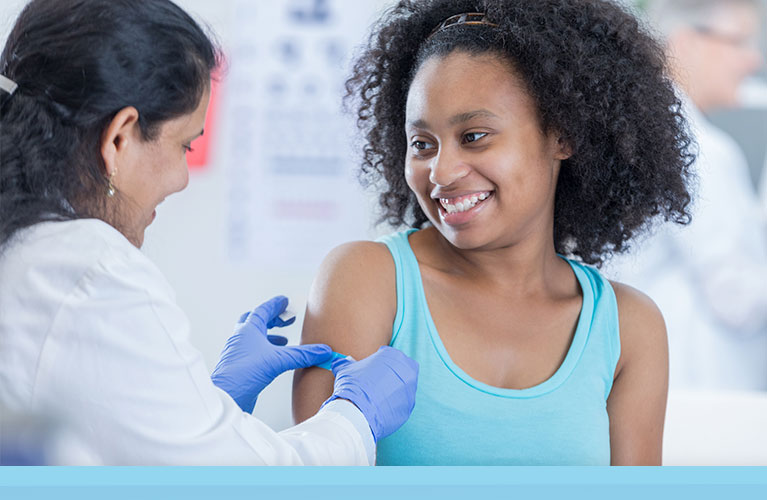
column 635, row 308
column 358, row 271
column 643, row 330
column 345, row 260
column 353, row 300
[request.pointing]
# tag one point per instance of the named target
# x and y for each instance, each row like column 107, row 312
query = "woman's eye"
column 421, row 145
column 473, row 136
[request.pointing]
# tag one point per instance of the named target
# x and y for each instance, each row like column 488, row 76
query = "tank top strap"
column 603, row 349
column 407, row 275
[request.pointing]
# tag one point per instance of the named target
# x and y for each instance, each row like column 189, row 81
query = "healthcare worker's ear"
column 118, row 137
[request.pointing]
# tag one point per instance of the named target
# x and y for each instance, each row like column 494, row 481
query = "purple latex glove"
column 251, row 359
column 382, row 386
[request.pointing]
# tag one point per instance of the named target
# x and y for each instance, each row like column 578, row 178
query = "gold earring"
column 111, row 187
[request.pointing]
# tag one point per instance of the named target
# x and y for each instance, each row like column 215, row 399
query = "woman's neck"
column 525, row 267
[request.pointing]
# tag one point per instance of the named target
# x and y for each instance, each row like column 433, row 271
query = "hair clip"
column 7, row 85
column 467, row 18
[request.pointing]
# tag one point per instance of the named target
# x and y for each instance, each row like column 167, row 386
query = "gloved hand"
column 382, row 386
column 251, row 359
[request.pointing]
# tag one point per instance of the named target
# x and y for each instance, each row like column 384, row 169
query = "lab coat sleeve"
column 118, row 368
column 341, row 408
column 725, row 243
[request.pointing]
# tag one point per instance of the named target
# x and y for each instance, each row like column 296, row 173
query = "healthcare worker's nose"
column 447, row 168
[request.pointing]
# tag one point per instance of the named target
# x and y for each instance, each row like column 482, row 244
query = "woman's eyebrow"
column 456, row 119
column 469, row 115
column 420, row 123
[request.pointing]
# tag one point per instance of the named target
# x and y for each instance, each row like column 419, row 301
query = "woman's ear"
column 117, row 137
column 563, row 148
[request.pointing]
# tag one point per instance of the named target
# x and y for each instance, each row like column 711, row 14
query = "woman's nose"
column 446, row 169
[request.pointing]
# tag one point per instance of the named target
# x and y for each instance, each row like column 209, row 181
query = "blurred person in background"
column 763, row 185
column 710, row 278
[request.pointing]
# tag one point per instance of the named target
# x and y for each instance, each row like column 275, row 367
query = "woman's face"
column 483, row 171
column 155, row 169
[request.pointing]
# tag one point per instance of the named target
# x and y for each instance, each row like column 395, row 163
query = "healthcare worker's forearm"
column 338, row 434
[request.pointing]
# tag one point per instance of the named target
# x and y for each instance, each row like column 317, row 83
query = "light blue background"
column 383, row 482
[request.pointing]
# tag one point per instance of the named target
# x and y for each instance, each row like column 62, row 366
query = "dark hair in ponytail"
column 77, row 63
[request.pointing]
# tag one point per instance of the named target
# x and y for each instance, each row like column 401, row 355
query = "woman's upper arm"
column 351, row 307
column 637, row 401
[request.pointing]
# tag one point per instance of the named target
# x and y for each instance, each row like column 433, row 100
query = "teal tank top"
column 460, row 421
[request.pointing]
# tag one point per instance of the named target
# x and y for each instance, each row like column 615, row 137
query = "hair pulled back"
column 599, row 81
column 77, row 63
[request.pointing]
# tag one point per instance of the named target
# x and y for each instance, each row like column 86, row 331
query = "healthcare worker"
column 99, row 102
column 710, row 278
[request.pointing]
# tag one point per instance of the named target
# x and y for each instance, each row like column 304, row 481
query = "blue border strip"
column 405, row 476
column 390, row 483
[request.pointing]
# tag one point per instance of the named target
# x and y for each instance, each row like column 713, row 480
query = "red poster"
column 199, row 157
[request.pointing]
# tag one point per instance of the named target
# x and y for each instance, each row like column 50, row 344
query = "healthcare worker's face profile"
column 727, row 52
column 146, row 172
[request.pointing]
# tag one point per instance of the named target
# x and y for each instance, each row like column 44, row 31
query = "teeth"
column 463, row 206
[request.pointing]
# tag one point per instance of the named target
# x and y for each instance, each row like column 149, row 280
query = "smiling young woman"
column 521, row 141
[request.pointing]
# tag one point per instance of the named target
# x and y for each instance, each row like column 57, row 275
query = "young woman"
column 522, row 142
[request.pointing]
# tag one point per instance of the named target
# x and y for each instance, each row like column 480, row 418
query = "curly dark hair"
column 599, row 80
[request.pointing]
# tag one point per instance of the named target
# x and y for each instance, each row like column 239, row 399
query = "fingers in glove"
column 265, row 314
column 277, row 339
column 340, row 363
column 279, row 322
column 304, row 356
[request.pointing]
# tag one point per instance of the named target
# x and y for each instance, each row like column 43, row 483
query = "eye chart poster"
column 292, row 189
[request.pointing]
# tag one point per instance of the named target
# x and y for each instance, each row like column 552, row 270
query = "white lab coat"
column 90, row 334
column 710, row 278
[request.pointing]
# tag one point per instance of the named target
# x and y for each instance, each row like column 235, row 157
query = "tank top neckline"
column 564, row 371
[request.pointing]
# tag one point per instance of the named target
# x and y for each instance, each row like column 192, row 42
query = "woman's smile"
column 458, row 210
